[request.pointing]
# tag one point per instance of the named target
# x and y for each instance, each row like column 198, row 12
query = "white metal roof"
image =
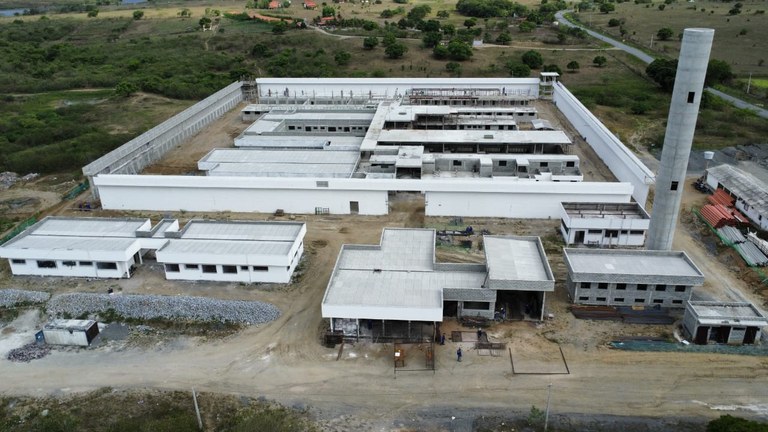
column 516, row 258
column 259, row 231
column 744, row 185
column 94, row 227
column 418, row 136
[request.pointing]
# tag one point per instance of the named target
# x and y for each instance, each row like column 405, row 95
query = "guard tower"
column 547, row 82
column 683, row 111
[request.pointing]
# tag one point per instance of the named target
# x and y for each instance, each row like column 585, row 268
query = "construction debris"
column 731, row 234
column 8, row 179
column 29, row 352
column 14, row 297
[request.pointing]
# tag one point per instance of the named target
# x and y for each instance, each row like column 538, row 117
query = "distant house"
column 309, row 4
column 273, row 5
column 324, row 21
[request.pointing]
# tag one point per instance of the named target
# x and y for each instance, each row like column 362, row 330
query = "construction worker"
column 458, row 354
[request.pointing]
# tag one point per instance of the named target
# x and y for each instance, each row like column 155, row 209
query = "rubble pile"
column 29, row 352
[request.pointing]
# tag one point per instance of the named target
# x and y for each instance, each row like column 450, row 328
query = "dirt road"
column 285, row 361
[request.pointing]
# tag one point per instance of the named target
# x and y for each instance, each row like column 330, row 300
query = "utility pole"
column 651, row 47
column 546, row 415
column 749, row 82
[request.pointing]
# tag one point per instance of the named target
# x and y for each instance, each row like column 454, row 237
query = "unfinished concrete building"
column 608, row 277
column 604, row 224
column 398, row 290
column 726, row 323
column 343, row 146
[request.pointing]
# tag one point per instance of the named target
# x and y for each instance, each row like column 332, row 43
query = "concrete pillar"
column 683, row 111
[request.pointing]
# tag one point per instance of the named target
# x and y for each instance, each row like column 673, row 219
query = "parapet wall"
column 619, row 159
column 135, row 155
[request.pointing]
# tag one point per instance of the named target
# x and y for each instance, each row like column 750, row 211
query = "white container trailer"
column 70, row 332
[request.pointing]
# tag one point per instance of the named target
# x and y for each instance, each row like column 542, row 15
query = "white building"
column 233, row 251
column 376, row 288
column 604, row 224
column 750, row 192
column 203, row 250
column 77, row 247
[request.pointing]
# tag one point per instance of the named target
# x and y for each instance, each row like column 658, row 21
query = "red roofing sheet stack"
column 718, row 215
column 721, row 197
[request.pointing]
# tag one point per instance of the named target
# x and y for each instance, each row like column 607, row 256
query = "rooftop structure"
column 202, row 250
column 630, row 277
column 731, row 323
column 750, row 192
column 399, row 279
column 604, row 224
column 276, row 163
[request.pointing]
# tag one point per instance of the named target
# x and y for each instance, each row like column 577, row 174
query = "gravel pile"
column 164, row 307
column 13, row 297
column 29, row 352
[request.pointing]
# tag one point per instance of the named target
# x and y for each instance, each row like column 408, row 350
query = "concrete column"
column 683, row 111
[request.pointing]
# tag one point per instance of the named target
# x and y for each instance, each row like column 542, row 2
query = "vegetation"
column 728, row 423
column 573, row 66
column 663, row 72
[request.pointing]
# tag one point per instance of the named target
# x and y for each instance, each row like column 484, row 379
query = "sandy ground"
column 285, row 360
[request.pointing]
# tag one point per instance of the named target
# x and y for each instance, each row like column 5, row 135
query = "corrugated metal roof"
column 744, row 185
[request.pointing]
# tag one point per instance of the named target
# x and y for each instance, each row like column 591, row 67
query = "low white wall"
column 621, row 161
column 537, row 202
column 445, row 197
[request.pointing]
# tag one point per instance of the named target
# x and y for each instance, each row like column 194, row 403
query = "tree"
column 607, row 7
column 205, row 23
column 662, row 71
column 533, row 59
column 137, row 15
column 389, row 39
column 342, row 58
column 470, row 22
column 527, row 26
column 93, row 13
column 718, row 72
column 459, row 50
column 443, row 14
column 431, row 39
column 419, row 12
column 517, row 69
column 125, row 89
column 440, row 52
column 599, row 61
column 279, row 27
column 728, row 423
column 613, row 22
column 662, row 7
column 448, row 29
column 573, row 66
column 396, row 50
column 504, row 38
column 370, row 42
column 185, row 13
column 328, row 11
column 665, row 33
column 552, row 68
column 454, row 68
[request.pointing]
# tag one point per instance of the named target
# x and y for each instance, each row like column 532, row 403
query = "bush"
column 370, row 42
column 396, row 50
column 533, row 59
column 137, row 15
column 518, row 70
column 613, row 22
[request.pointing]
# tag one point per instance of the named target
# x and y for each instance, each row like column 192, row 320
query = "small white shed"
column 70, row 332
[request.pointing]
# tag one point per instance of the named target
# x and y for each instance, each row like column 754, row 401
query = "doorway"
column 354, row 207
column 579, row 238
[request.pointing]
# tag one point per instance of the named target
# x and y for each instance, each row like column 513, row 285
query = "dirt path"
column 285, row 361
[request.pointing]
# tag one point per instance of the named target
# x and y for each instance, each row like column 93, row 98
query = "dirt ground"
column 285, row 361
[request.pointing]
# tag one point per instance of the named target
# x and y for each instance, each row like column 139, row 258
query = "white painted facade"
column 70, row 332
column 596, row 226
column 387, row 87
column 445, row 197
column 247, row 252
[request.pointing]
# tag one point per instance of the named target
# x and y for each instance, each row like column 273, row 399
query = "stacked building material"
column 721, row 197
column 717, row 215
column 751, row 254
column 731, row 234
column 760, row 243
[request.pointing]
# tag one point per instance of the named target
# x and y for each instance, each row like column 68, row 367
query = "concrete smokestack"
column 683, row 111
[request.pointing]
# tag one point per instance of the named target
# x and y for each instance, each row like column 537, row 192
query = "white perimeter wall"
column 621, row 161
column 473, row 197
column 363, row 87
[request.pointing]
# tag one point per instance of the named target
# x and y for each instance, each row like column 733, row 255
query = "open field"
column 743, row 51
